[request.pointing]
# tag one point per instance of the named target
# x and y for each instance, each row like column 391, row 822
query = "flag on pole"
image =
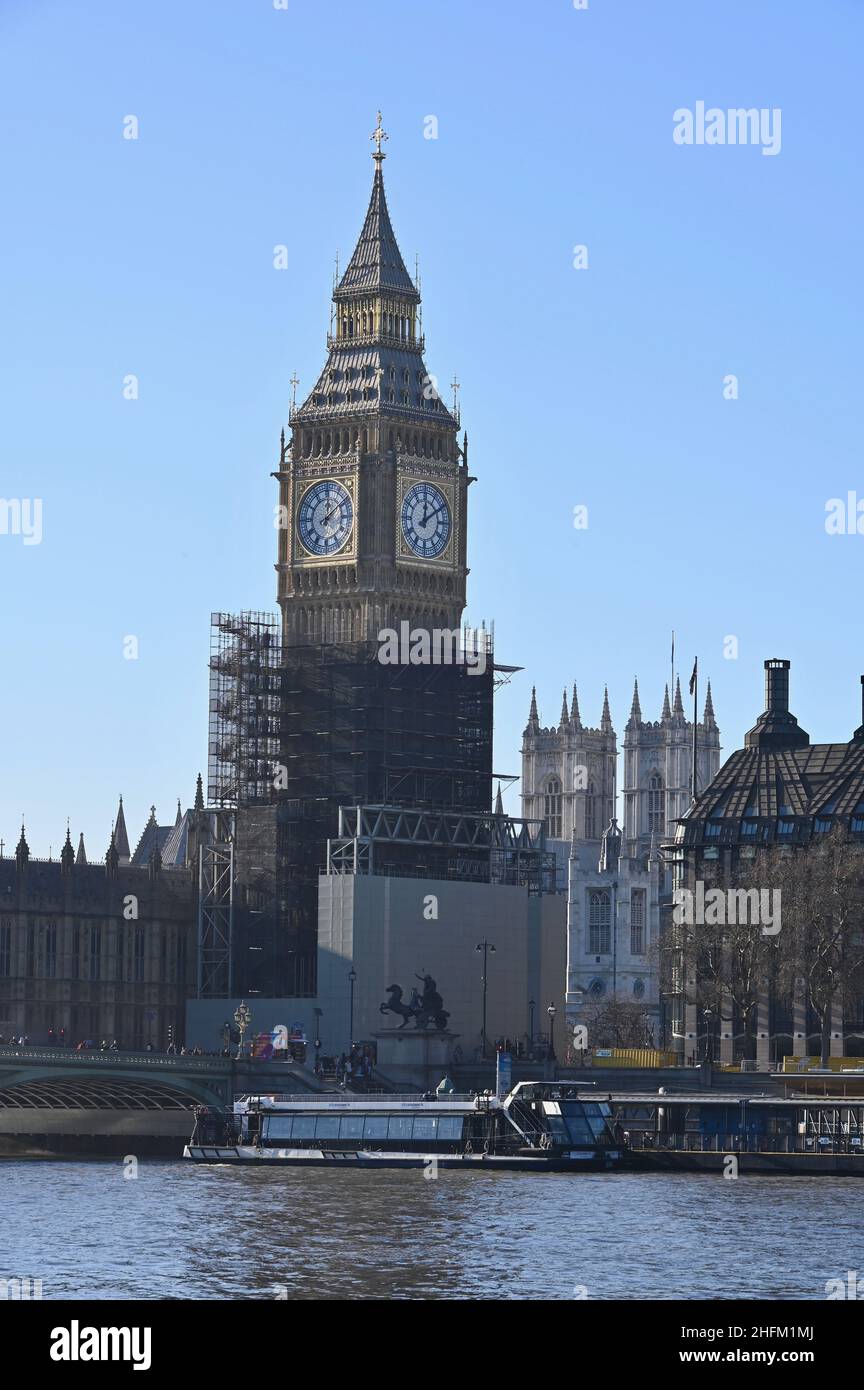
column 693, row 677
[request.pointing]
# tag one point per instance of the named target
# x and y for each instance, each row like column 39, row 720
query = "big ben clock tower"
column 373, row 489
column 373, row 483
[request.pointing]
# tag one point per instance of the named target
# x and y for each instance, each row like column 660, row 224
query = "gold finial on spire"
column 295, row 382
column 379, row 134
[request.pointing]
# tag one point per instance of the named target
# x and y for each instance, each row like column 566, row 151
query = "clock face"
column 426, row 520
column 325, row 517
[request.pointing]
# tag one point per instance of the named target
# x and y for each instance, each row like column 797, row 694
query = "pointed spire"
column 666, row 712
column 377, row 263
column 199, row 794
column 120, row 836
column 575, row 716
column 635, row 709
column 610, row 848
column 499, row 804
column 605, row 718
column 22, row 851
column 81, row 856
column 533, row 724
column 67, row 853
column 112, row 857
column 179, row 815
column 708, row 717
column 565, row 713
column 678, row 707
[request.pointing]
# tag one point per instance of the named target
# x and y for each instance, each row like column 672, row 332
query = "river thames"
column 176, row 1231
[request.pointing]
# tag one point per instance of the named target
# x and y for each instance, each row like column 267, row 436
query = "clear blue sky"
column 600, row 387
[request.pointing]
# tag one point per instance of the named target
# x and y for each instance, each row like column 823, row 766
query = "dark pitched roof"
column 380, row 368
column 153, row 837
column 779, row 776
column 176, row 843
column 377, row 261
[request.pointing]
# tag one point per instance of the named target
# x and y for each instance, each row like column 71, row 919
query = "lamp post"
column 352, row 979
column 551, row 1011
column 484, row 946
column 531, row 1007
column 242, row 1017
column 707, row 1015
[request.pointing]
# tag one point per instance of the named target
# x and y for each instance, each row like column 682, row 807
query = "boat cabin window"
column 399, row 1128
column 586, row 1122
column 375, row 1127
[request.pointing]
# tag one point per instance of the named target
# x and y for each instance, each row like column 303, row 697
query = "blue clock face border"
column 426, row 520
column 325, row 517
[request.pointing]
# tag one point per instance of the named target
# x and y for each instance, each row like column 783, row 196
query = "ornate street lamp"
column 242, row 1017
column 552, row 1011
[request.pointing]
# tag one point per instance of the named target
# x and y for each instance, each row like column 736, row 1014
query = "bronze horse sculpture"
column 424, row 1008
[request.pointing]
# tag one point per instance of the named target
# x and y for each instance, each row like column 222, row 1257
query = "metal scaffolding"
column 245, row 683
column 215, row 919
column 411, row 843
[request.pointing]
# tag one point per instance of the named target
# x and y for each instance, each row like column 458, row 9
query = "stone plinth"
column 416, row 1056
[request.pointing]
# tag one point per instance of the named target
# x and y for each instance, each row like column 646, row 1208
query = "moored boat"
column 537, row 1127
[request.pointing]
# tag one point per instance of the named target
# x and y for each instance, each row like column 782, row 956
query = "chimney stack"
column 776, row 686
column 776, row 727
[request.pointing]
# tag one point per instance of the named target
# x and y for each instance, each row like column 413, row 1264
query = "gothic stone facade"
column 102, row 951
column 618, row 889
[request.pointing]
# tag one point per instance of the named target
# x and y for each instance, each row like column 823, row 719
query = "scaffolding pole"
column 215, row 920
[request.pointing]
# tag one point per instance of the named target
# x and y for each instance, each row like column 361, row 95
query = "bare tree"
column 614, row 1023
column 822, row 952
column 720, row 961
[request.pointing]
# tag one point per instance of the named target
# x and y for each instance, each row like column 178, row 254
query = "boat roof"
column 727, row 1098
column 385, row 1101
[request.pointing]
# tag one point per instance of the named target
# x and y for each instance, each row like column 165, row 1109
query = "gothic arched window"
column 637, row 922
column 599, row 923
column 552, row 808
column 591, row 830
column 656, row 807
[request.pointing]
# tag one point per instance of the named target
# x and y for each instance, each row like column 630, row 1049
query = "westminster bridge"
column 62, row 1101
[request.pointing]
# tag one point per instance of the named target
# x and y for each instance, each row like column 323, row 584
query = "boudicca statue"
column 425, row 1008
